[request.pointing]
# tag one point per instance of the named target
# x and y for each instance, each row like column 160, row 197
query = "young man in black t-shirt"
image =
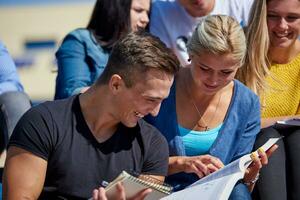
column 64, row 149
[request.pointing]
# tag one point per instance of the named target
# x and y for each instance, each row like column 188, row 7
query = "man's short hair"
column 137, row 53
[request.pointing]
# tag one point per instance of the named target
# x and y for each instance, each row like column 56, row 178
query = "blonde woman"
column 209, row 118
column 274, row 57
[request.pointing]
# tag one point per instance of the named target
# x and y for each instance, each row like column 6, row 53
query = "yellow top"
column 283, row 95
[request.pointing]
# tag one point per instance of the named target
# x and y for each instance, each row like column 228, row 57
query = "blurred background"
column 32, row 30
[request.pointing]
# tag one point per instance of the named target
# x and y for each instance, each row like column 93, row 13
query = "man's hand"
column 99, row 194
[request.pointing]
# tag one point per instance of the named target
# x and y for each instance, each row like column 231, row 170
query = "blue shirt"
column 9, row 78
column 235, row 138
column 198, row 142
column 80, row 61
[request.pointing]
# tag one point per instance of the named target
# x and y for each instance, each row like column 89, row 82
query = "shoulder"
column 35, row 115
column 147, row 129
column 167, row 4
column 77, row 37
column 239, row 9
column 82, row 41
column 81, row 34
column 57, row 104
column 153, row 140
column 38, row 131
column 52, row 109
column 149, row 133
column 46, row 120
column 45, row 108
column 165, row 7
column 244, row 89
column 236, row 4
column 245, row 97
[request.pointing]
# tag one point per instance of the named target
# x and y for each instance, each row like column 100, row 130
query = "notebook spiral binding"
column 151, row 182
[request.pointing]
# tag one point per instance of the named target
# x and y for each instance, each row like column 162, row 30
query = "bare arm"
column 160, row 179
column 266, row 122
column 24, row 175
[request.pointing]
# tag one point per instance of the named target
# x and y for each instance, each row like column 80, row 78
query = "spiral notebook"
column 134, row 184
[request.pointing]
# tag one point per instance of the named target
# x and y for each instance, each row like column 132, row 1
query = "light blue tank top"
column 198, row 142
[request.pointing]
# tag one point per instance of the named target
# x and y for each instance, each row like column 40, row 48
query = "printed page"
column 269, row 143
column 239, row 165
column 218, row 185
column 218, row 189
column 231, row 168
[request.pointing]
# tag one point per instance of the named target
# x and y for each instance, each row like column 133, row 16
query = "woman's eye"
column 138, row 10
column 227, row 72
column 204, row 69
column 291, row 18
column 271, row 16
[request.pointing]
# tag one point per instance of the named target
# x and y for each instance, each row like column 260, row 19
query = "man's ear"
column 116, row 83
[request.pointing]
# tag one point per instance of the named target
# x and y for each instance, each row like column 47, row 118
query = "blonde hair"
column 219, row 35
column 256, row 66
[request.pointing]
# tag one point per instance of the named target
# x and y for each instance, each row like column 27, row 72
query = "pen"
column 102, row 184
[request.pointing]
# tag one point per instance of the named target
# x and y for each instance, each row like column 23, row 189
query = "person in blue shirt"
column 84, row 52
column 210, row 119
column 13, row 101
column 174, row 21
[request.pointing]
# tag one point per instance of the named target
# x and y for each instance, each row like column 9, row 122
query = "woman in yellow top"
column 272, row 70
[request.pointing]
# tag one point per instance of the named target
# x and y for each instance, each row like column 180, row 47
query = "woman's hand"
column 100, row 194
column 259, row 161
column 200, row 165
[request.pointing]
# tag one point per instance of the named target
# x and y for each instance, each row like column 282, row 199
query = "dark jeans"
column 280, row 179
column 12, row 106
column 240, row 192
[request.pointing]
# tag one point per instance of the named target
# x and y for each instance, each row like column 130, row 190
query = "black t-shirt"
column 77, row 163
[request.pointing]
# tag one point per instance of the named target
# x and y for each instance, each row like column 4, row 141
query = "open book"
column 288, row 123
column 218, row 185
column 134, row 184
